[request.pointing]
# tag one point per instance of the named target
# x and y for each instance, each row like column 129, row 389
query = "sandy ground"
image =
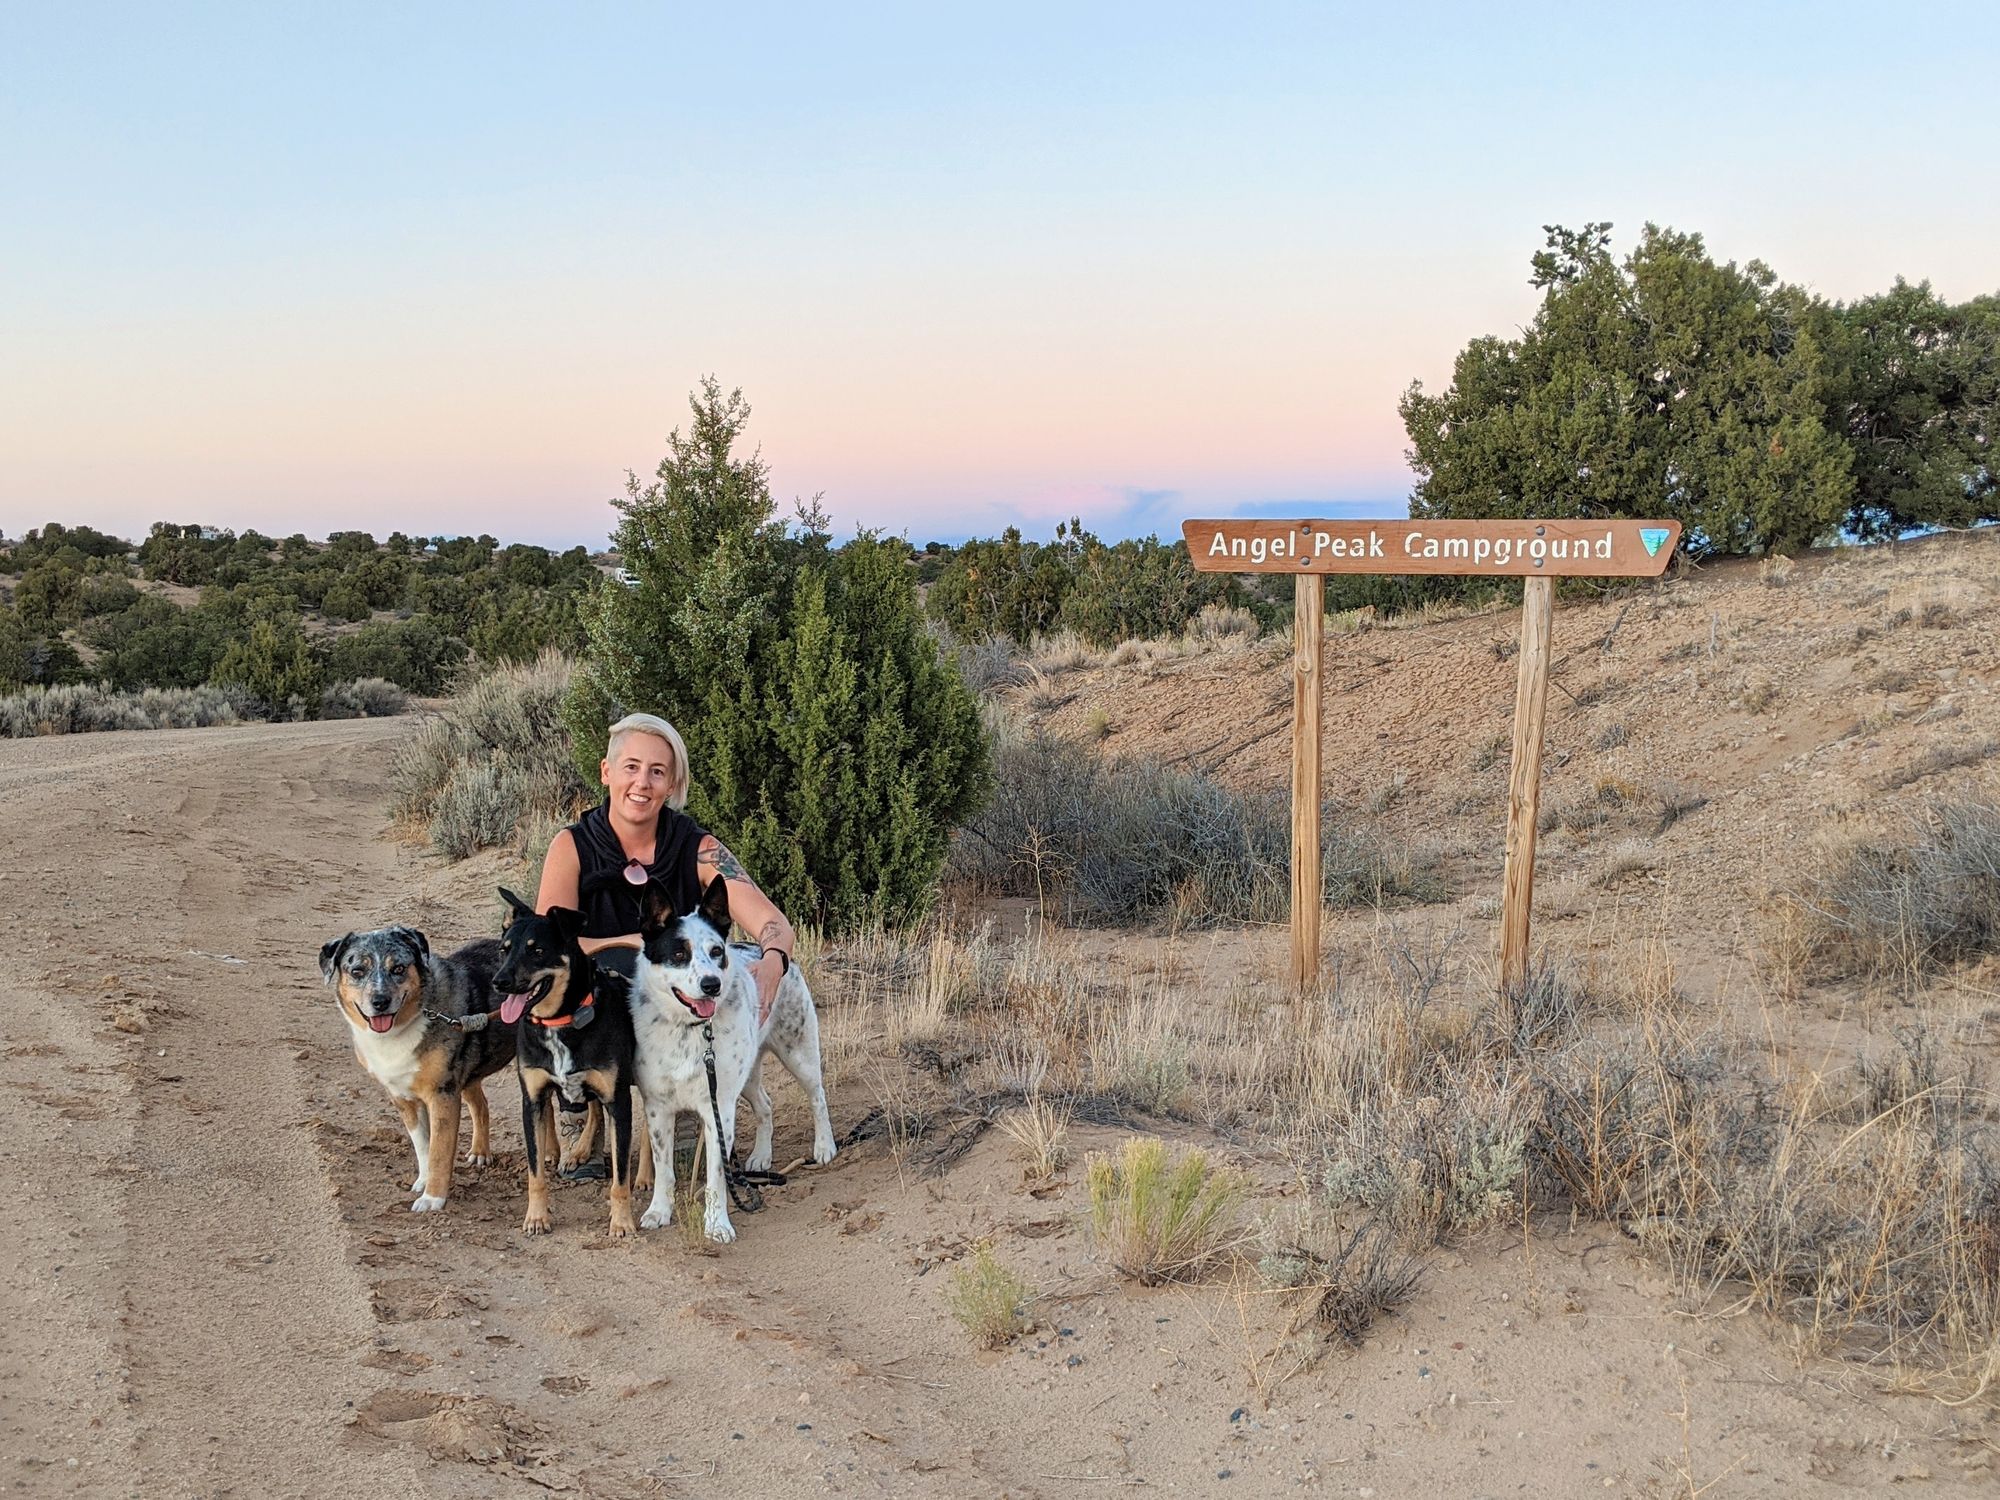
column 213, row 1286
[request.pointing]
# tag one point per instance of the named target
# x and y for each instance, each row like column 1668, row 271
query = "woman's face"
column 639, row 773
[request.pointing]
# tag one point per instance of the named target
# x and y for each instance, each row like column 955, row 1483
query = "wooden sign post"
column 1538, row 551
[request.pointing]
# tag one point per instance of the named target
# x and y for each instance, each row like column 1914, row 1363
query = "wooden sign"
column 1536, row 551
column 1499, row 549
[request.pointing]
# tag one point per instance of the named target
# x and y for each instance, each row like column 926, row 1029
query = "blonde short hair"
column 655, row 725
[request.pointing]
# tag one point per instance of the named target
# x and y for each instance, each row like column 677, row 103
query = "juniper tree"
column 832, row 747
column 1668, row 386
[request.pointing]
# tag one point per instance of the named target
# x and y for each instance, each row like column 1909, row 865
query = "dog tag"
column 635, row 872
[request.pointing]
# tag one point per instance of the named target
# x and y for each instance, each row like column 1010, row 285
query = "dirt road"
column 189, row 1293
column 210, row 1283
column 213, row 1285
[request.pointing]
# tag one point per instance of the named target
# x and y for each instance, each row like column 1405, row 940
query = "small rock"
column 1237, row 1415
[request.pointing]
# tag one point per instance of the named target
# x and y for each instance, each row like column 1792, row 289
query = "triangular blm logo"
column 1654, row 537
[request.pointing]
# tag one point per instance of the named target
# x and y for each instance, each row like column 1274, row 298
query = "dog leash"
column 744, row 1185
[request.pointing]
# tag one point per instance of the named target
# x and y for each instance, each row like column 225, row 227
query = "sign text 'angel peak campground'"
column 1601, row 549
column 1538, row 552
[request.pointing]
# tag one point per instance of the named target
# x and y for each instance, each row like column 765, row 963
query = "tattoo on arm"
column 715, row 856
column 770, row 932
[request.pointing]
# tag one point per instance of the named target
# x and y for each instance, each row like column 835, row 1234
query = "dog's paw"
column 824, row 1151
column 657, row 1218
column 479, row 1161
column 417, row 1187
column 537, row 1222
column 622, row 1225
column 430, row 1203
column 759, row 1160
column 718, row 1229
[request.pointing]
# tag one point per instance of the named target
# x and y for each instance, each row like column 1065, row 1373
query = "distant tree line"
column 1105, row 592
column 1756, row 413
column 281, row 619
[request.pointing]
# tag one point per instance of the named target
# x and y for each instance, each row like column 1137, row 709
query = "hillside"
column 199, row 1161
column 1778, row 702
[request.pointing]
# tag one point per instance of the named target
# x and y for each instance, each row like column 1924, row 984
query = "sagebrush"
column 1117, row 842
column 493, row 768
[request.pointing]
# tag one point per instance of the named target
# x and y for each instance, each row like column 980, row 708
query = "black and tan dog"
column 404, row 1006
column 573, row 1037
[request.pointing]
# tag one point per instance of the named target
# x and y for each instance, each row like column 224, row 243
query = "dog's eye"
column 715, row 952
column 398, row 969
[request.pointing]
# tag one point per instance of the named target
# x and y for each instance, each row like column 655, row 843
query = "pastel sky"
column 452, row 268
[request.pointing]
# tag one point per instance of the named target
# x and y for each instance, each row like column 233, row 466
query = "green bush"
column 1754, row 412
column 274, row 663
column 833, row 746
column 416, row 654
column 1139, row 590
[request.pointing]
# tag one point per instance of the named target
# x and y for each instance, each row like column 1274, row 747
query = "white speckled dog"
column 690, row 980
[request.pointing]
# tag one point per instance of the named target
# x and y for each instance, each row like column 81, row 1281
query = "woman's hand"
column 769, row 971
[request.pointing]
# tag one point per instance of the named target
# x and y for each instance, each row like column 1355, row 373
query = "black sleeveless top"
column 610, row 903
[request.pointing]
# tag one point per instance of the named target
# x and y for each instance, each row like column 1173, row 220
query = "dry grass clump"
column 1061, row 651
column 1894, row 907
column 494, row 767
column 1676, row 800
column 1348, row 1288
column 1939, row 759
column 1613, row 1122
column 1039, row 1130
column 363, row 698
column 1161, row 1217
column 989, row 1301
column 989, row 666
column 1883, row 1240
column 1119, row 842
column 1221, row 626
column 86, row 708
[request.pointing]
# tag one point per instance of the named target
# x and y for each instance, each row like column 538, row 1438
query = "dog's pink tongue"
column 381, row 1023
column 511, row 1007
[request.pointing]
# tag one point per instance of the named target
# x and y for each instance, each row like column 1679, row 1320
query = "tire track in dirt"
column 217, row 1288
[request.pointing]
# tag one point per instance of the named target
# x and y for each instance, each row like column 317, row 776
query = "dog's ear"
column 569, row 923
column 518, row 908
column 655, row 909
column 329, row 956
column 715, row 905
